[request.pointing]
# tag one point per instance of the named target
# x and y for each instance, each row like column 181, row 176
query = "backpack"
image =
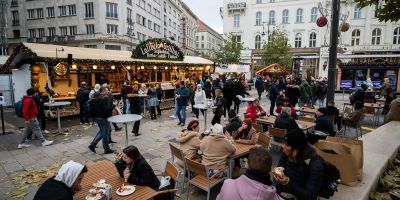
column 330, row 181
column 18, row 108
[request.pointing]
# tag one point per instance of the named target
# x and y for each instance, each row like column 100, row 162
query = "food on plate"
column 123, row 188
column 100, row 185
column 279, row 171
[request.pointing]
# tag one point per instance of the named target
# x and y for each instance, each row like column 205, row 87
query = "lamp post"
column 333, row 50
column 263, row 33
column 131, row 32
column 59, row 50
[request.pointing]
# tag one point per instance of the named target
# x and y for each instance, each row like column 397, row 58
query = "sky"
column 208, row 12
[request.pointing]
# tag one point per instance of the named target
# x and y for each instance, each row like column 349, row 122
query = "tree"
column 387, row 10
column 229, row 51
column 276, row 50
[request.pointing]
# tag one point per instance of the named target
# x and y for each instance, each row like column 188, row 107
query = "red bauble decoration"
column 322, row 21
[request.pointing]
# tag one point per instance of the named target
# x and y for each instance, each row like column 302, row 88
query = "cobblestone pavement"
column 153, row 144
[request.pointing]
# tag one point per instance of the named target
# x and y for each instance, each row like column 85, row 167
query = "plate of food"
column 278, row 171
column 95, row 194
column 125, row 190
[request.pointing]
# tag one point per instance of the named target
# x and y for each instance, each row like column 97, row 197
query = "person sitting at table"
column 133, row 167
column 234, row 122
column 304, row 169
column 370, row 95
column 255, row 110
column 353, row 118
column 286, row 103
column 332, row 110
column 323, row 123
column 216, row 148
column 64, row 185
column 189, row 140
column 256, row 183
column 246, row 134
column 284, row 121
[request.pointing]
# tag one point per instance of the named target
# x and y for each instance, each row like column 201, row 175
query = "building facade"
column 189, row 28
column 207, row 40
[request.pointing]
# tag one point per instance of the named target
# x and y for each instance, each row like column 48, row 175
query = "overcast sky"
column 208, row 12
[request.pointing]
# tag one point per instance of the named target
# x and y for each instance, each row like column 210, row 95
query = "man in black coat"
column 359, row 94
column 82, row 96
column 135, row 106
column 273, row 95
column 234, row 122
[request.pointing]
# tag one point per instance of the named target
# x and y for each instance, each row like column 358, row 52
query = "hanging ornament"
column 322, row 21
column 344, row 26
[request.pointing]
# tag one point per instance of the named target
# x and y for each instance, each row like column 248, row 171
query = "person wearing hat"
column 182, row 97
column 95, row 91
column 199, row 98
column 189, row 142
column 303, row 168
column 323, row 123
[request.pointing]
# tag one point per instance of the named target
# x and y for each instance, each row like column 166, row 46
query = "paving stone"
column 9, row 168
column 149, row 156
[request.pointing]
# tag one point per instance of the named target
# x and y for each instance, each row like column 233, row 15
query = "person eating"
column 255, row 110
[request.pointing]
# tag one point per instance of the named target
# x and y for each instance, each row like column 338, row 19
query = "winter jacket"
column 393, row 114
column 216, row 149
column 207, row 89
column 251, row 138
column 140, row 174
column 219, row 103
column 252, row 185
column 359, row 95
column 324, row 124
column 305, row 91
column 259, row 84
column 354, row 117
column 251, row 111
column 273, row 92
column 55, row 190
column 332, row 110
column 82, row 95
column 305, row 177
column 284, row 121
column 29, row 108
column 293, row 93
column 135, row 104
column 227, row 91
column 184, row 96
column 189, row 144
column 292, row 111
column 233, row 125
column 153, row 100
column 102, row 106
column 126, row 89
column 199, row 97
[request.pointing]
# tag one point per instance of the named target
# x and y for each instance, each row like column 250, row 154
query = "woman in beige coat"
column 246, row 134
column 189, row 140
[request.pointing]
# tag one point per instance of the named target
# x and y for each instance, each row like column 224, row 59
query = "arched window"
column 258, row 1
column 258, row 42
column 355, row 37
column 396, row 36
column 297, row 40
column 314, row 14
column 285, row 16
column 271, row 17
column 299, row 15
column 376, row 36
column 313, row 39
column 258, row 18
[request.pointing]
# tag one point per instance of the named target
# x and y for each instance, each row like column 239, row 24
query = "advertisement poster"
column 346, row 84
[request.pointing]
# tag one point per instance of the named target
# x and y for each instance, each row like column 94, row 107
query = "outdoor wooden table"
column 106, row 170
column 241, row 150
column 307, row 110
column 271, row 121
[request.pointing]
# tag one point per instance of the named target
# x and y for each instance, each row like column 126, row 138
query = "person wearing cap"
column 216, row 148
column 189, row 141
column 64, row 185
column 182, row 97
column 323, row 123
column 303, row 168
column 199, row 98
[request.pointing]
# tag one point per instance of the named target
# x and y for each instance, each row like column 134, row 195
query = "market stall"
column 273, row 70
column 233, row 70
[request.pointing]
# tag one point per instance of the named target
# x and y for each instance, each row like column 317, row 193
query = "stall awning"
column 274, row 69
column 232, row 68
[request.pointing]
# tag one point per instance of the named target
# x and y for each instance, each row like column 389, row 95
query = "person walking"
column 153, row 101
column 82, row 96
column 219, row 103
column 227, row 92
column 159, row 97
column 126, row 89
column 273, row 95
column 181, row 96
column 199, row 98
column 30, row 114
column 41, row 116
column 259, row 84
column 135, row 107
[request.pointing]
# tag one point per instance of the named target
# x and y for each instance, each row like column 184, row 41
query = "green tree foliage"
column 389, row 9
column 229, row 51
column 276, row 50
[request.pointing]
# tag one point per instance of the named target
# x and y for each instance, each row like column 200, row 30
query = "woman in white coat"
column 199, row 98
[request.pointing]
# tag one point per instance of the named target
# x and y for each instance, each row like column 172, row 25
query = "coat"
column 354, row 117
column 233, row 125
column 305, row 177
column 184, row 96
column 273, row 92
column 219, row 103
column 153, row 101
column 189, row 144
column 393, row 114
column 292, row 111
column 140, row 174
column 251, row 138
column 284, row 121
column 55, row 190
column 29, row 108
column 251, row 112
column 102, row 106
column 324, row 124
column 359, row 95
column 259, row 84
column 199, row 97
column 305, row 92
column 135, row 104
column 293, row 93
column 216, row 149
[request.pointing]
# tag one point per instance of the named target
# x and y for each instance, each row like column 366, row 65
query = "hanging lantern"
column 322, row 21
column 344, row 26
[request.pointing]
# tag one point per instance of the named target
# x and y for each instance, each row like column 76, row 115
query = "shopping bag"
column 356, row 149
column 340, row 156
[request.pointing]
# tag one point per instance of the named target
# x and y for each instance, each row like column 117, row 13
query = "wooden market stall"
column 273, row 70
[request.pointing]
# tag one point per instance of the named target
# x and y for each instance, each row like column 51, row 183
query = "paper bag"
column 340, row 156
column 356, row 149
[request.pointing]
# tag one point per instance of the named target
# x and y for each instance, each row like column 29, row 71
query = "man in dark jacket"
column 126, row 89
column 227, row 91
column 82, row 96
column 293, row 93
column 285, row 121
column 273, row 95
column 64, row 185
column 182, row 97
column 323, row 123
column 135, row 107
column 332, row 110
column 359, row 94
column 259, row 84
column 234, row 122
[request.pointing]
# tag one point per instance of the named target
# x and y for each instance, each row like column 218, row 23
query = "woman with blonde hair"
column 219, row 103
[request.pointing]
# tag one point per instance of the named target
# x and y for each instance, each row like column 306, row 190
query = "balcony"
column 14, row 3
column 15, row 22
column 389, row 47
column 61, row 38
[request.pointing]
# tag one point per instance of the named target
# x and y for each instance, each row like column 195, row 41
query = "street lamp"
column 269, row 23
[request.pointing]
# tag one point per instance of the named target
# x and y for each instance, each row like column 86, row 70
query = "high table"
column 58, row 104
column 303, row 125
column 203, row 107
column 125, row 119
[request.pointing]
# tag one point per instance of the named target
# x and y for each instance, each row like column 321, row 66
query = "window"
column 89, row 10
column 142, row 4
column 16, row 33
column 237, row 39
column 314, row 14
column 236, row 20
column 297, row 40
column 31, row 14
column 72, row 30
column 271, row 19
column 15, row 17
column 129, row 2
column 299, row 15
column 202, row 38
column 63, row 31
column 129, row 16
column 396, row 36
column 377, row 8
column 259, row 2
column 52, row 31
column 157, row 28
column 90, row 46
column 63, row 10
column 41, row 32
column 149, row 24
column 89, row 29
column 357, row 12
column 376, row 36
column 72, row 9
column 32, row 33
column 149, row 8
column 285, row 16
column 113, row 47
column 258, row 42
column 202, row 45
column 355, row 37
column 112, row 29
column 39, row 13
column 313, row 40
column 50, row 12
column 258, row 18
column 111, row 10
column 272, row 1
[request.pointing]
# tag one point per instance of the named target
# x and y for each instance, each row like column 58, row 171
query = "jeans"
column 103, row 134
column 136, row 127
column 271, row 109
column 227, row 107
column 181, row 113
column 321, row 103
column 83, row 115
column 259, row 94
column 124, row 105
column 33, row 126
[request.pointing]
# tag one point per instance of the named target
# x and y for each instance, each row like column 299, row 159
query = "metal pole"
column 333, row 50
column 2, row 119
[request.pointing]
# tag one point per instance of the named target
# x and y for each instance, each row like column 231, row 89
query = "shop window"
column 360, row 77
column 377, row 76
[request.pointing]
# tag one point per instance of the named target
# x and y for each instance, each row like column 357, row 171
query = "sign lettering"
column 157, row 49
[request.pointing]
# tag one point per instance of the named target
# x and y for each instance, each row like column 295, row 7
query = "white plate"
column 126, row 191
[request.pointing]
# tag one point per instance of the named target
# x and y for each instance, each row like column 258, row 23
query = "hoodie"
column 189, row 144
column 216, row 149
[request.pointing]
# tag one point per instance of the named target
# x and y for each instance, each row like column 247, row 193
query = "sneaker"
column 23, row 145
column 173, row 116
column 47, row 142
column 46, row 131
column 27, row 140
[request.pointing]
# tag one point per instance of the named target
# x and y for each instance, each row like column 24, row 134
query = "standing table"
column 247, row 99
column 125, row 119
column 58, row 104
column 203, row 107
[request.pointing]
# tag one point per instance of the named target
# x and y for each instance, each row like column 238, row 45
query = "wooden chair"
column 258, row 127
column 178, row 154
column 264, row 140
column 347, row 108
column 173, row 172
column 202, row 179
column 306, row 119
column 356, row 126
column 278, row 133
column 370, row 112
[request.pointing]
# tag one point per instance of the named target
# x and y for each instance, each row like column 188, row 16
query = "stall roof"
column 49, row 51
